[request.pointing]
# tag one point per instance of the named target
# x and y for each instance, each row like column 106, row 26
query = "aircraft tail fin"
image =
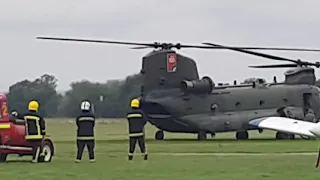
column 166, row 69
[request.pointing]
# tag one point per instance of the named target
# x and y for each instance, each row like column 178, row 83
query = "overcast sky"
column 289, row 23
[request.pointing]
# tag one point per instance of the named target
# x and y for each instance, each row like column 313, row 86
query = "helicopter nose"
column 316, row 130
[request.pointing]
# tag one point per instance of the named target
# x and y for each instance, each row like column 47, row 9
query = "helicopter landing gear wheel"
column 291, row 136
column 307, row 137
column 282, row 135
column 242, row 135
column 159, row 135
column 202, row 135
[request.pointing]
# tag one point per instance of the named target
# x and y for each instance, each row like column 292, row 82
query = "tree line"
column 110, row 99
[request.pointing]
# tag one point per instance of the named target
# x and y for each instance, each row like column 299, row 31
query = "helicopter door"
column 306, row 102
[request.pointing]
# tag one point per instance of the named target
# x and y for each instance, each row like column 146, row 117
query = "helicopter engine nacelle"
column 204, row 85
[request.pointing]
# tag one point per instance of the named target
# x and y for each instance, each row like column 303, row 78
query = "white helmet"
column 85, row 106
column 14, row 113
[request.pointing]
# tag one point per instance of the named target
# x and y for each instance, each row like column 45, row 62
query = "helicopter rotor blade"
column 146, row 45
column 141, row 47
column 94, row 41
column 168, row 45
column 296, row 62
column 262, row 48
column 275, row 66
column 240, row 47
column 278, row 49
column 253, row 53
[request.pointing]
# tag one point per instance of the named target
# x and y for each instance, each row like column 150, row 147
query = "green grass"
column 166, row 158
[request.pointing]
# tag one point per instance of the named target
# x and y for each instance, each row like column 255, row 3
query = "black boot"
column 130, row 157
column 145, row 157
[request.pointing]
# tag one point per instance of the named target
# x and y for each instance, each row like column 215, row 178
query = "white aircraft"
column 288, row 125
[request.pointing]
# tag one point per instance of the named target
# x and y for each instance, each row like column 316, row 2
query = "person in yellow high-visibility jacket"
column 136, row 122
column 35, row 129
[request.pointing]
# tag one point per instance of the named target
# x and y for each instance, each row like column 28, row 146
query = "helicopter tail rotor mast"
column 178, row 46
column 294, row 63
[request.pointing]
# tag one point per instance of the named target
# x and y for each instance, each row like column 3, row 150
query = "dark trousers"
column 90, row 146
column 132, row 144
column 36, row 149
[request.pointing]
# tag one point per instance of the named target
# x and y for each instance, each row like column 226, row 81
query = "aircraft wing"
column 288, row 125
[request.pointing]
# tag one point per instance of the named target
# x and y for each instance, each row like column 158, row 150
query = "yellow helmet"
column 135, row 103
column 33, row 105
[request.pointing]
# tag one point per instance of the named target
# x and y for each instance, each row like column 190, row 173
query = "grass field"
column 180, row 156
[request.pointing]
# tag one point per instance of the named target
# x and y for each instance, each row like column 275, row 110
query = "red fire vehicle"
column 12, row 136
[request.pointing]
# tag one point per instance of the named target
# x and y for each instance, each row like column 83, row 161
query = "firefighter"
column 35, row 129
column 85, row 133
column 136, row 122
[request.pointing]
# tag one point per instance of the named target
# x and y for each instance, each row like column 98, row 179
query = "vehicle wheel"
column 159, row 135
column 47, row 151
column 202, row 135
column 3, row 157
column 242, row 135
column 281, row 135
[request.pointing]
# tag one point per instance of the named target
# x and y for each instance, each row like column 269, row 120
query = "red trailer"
column 12, row 136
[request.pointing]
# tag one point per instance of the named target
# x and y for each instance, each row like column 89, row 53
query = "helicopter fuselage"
column 227, row 109
column 200, row 106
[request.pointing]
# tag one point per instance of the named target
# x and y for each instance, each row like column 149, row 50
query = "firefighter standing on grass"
column 136, row 122
column 35, row 129
column 85, row 133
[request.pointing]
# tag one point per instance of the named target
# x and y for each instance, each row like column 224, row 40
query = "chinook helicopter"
column 176, row 100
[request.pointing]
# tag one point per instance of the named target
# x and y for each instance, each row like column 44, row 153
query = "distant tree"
column 131, row 88
column 86, row 90
column 42, row 89
column 110, row 99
